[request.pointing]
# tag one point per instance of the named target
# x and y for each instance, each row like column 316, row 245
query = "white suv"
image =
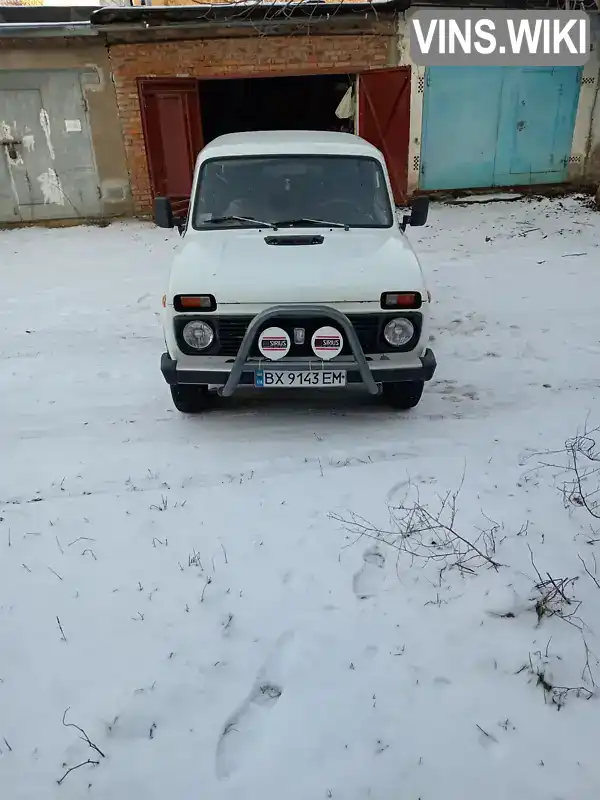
column 294, row 270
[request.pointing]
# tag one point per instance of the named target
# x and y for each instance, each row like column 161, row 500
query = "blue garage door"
column 497, row 126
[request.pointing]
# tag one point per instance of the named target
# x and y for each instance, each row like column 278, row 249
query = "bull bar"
column 241, row 364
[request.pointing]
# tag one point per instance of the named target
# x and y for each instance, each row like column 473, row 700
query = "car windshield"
column 292, row 191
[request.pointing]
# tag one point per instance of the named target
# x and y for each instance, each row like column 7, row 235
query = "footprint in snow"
column 369, row 579
column 242, row 729
column 395, row 490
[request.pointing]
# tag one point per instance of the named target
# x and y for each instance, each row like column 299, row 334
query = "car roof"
column 254, row 143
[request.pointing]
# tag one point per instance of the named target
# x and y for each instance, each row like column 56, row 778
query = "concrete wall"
column 91, row 59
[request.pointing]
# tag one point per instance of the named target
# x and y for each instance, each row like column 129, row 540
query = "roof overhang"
column 37, row 30
column 238, row 13
column 46, row 21
column 46, row 14
column 497, row 5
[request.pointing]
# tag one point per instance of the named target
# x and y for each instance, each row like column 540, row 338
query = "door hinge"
column 85, row 104
column 99, row 190
column 422, row 168
column 428, row 79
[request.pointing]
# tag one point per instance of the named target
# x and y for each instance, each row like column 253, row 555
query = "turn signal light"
column 401, row 300
column 194, row 302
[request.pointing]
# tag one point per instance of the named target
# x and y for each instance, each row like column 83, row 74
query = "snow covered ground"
column 192, row 590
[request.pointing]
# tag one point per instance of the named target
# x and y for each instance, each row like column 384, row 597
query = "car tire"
column 403, row 396
column 190, row 399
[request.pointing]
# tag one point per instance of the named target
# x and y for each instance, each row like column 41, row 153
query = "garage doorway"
column 299, row 102
column 181, row 115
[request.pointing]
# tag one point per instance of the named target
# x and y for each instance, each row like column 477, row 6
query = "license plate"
column 281, row 379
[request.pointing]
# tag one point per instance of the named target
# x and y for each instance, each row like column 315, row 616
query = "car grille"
column 368, row 327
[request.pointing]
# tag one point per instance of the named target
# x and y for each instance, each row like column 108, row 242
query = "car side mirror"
column 163, row 212
column 419, row 211
column 163, row 215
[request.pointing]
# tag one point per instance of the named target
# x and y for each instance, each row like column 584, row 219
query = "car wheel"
column 190, row 399
column 403, row 396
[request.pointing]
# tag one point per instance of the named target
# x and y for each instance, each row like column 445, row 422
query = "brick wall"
column 206, row 58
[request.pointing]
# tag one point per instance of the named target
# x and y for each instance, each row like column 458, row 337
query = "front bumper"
column 358, row 368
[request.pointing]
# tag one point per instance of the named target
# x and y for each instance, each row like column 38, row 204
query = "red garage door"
column 384, row 120
column 173, row 136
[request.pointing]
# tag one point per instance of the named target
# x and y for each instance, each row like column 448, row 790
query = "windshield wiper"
column 308, row 221
column 258, row 222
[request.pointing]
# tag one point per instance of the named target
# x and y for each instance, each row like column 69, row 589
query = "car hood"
column 348, row 266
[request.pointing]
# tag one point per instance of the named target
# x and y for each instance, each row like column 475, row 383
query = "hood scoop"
column 294, row 241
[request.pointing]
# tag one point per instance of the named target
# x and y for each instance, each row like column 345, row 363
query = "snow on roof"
column 288, row 143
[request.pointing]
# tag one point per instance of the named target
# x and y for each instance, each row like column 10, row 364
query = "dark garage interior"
column 303, row 102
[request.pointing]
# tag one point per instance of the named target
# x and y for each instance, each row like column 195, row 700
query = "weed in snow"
column 427, row 536
column 419, row 534
column 194, row 560
column 554, row 597
column 85, row 738
column 538, row 667
column 162, row 506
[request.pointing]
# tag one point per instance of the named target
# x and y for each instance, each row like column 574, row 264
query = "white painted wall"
column 580, row 149
column 591, row 163
column 416, row 103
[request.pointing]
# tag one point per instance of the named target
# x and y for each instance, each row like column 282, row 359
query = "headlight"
column 198, row 334
column 399, row 332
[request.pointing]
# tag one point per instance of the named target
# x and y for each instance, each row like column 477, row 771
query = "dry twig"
column 207, row 583
column 427, row 536
column 62, row 635
column 84, row 737
column 593, row 577
column 581, row 487
column 83, row 763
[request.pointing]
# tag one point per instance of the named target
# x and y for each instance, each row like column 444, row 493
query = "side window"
column 380, row 193
column 202, row 193
column 213, row 192
column 204, row 189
